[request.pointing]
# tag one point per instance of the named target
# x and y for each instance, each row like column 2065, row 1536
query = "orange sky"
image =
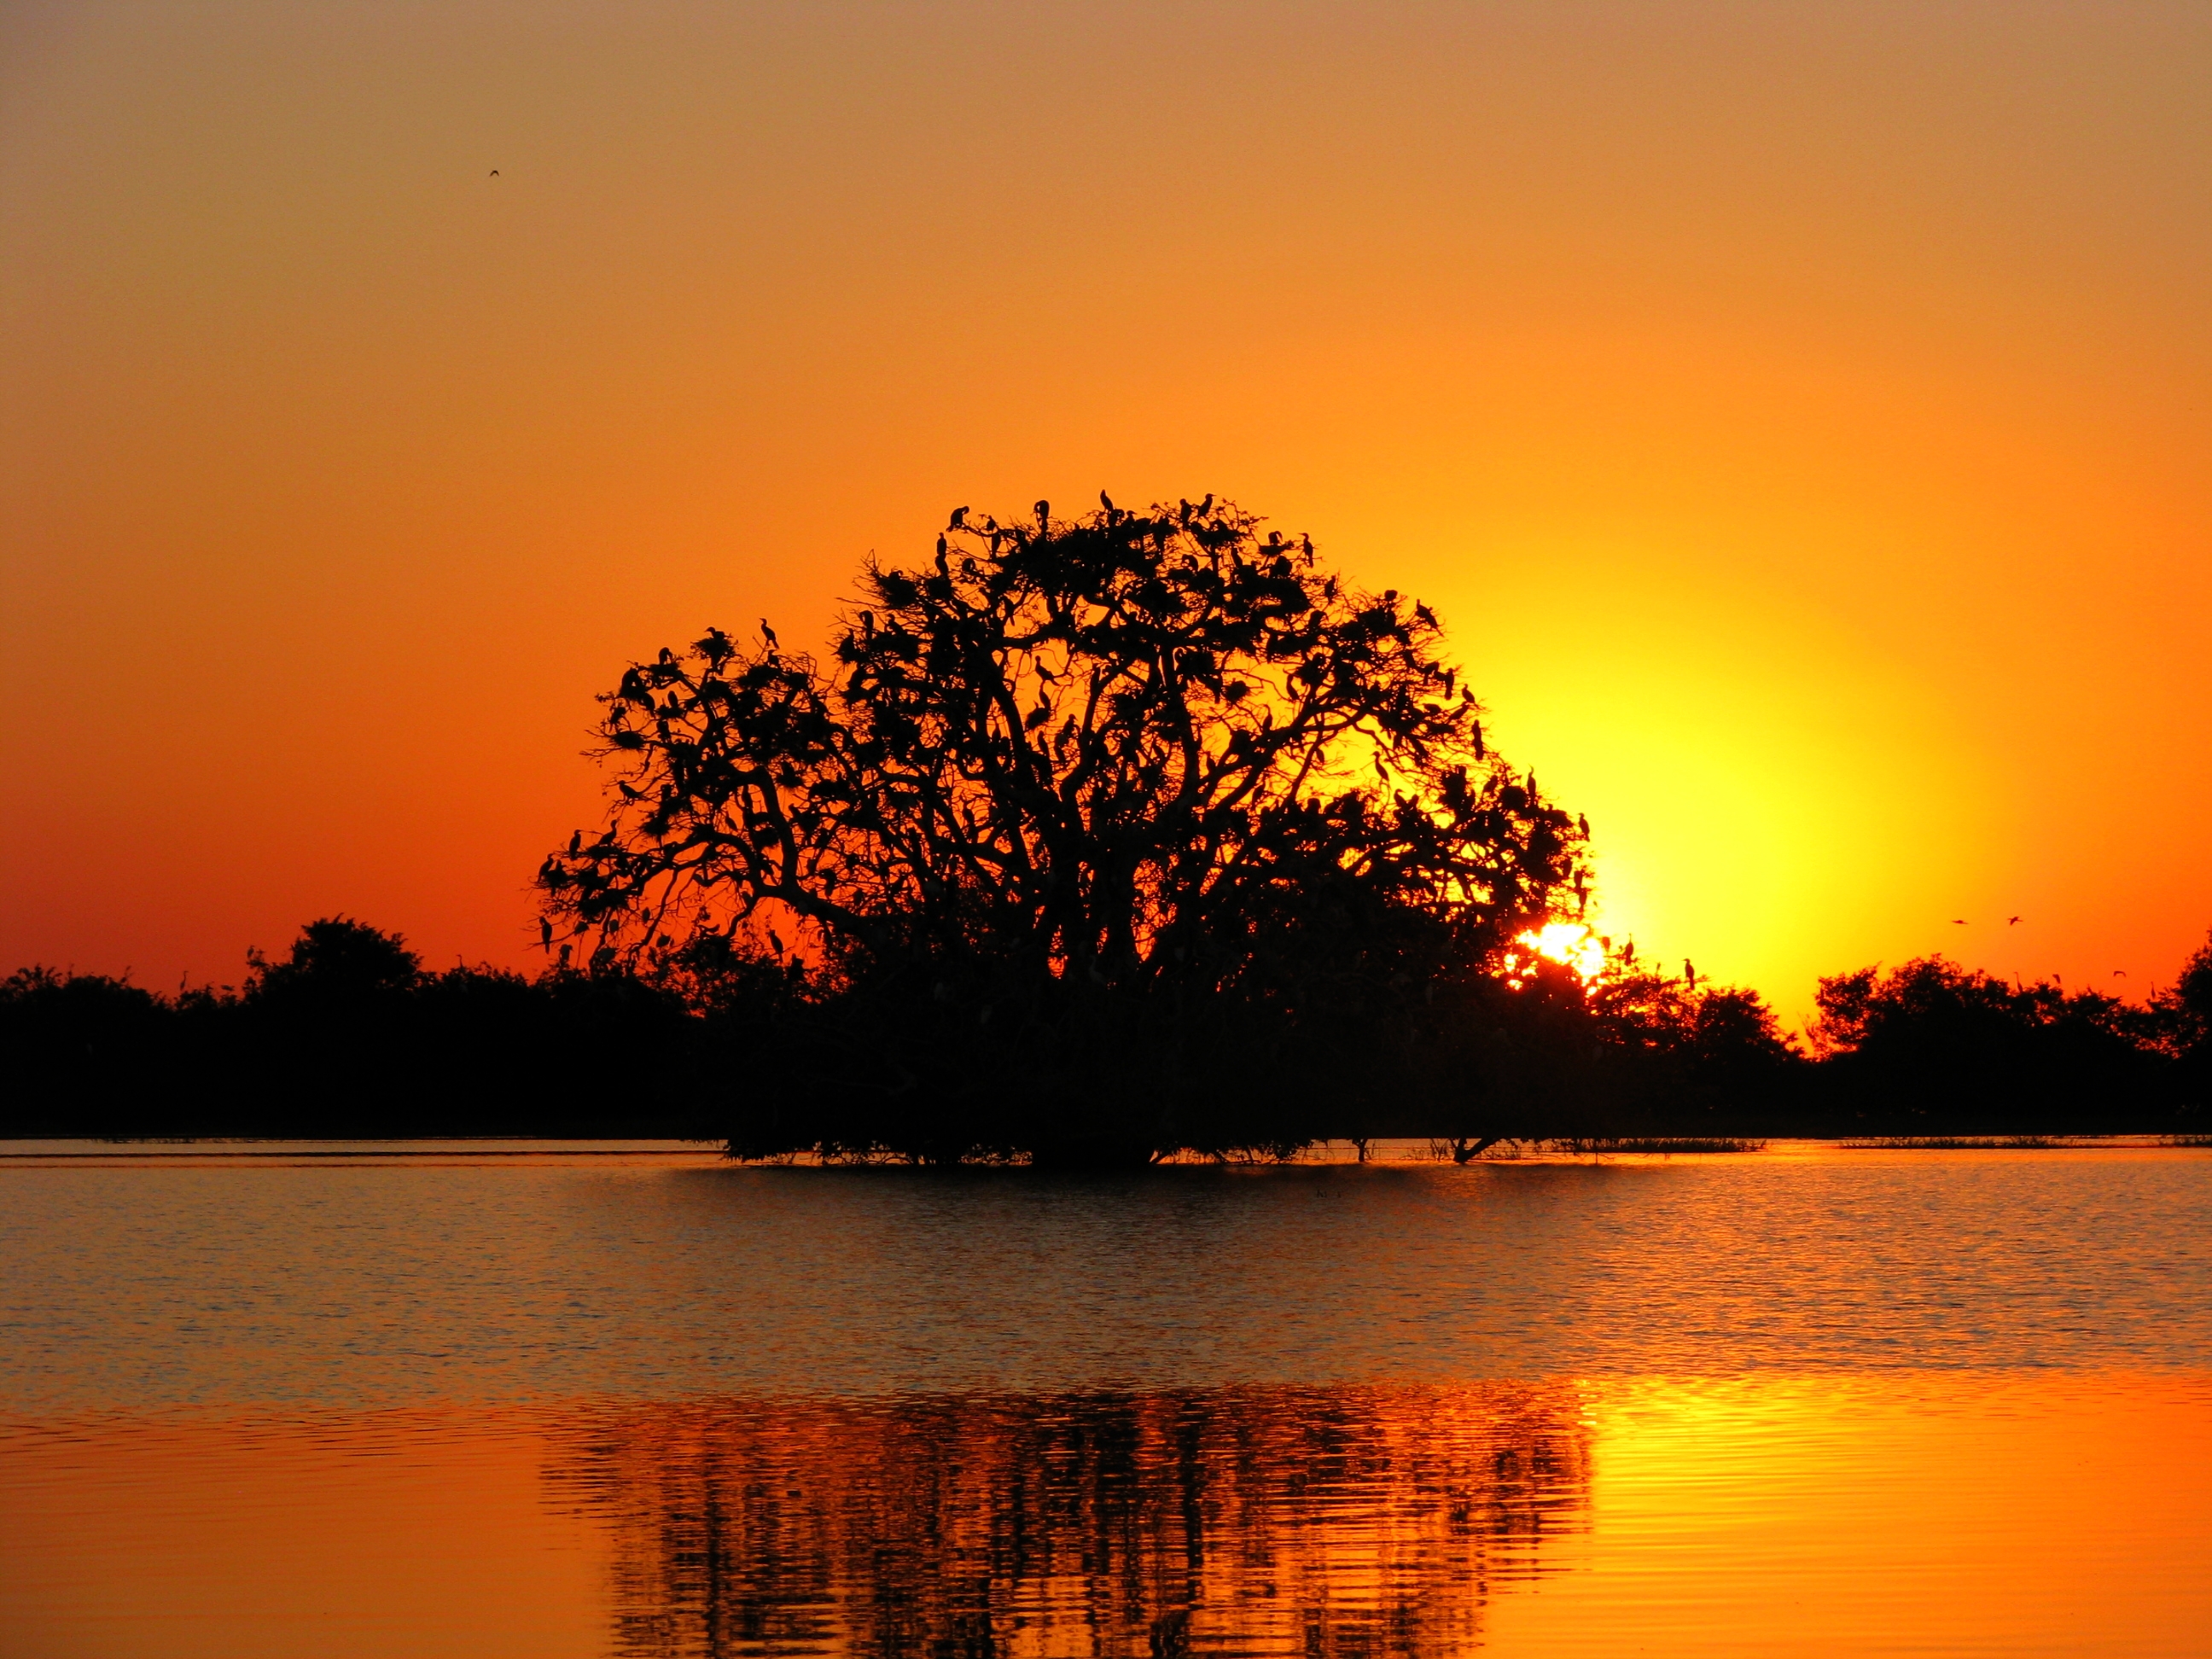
column 1799, row 415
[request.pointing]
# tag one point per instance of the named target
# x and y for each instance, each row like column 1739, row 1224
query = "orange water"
column 1817, row 1403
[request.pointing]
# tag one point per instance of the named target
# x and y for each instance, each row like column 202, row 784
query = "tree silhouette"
column 1133, row 760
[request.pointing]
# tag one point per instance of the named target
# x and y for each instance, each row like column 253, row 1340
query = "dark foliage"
column 347, row 1036
column 1931, row 1047
column 1095, row 839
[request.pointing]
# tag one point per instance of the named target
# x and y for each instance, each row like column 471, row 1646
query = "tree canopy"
column 1148, row 760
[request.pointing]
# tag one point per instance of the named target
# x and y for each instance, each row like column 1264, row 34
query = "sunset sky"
column 1800, row 416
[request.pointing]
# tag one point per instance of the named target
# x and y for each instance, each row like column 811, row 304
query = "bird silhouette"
column 1105, row 500
column 1044, row 514
column 1958, row 922
column 959, row 517
column 767, row 634
column 544, row 933
column 2012, row 921
column 2119, row 973
column 494, row 172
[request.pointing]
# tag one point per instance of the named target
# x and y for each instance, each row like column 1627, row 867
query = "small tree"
column 1067, row 770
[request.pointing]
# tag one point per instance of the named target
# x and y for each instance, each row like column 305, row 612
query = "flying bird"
column 494, row 172
column 2119, row 973
column 1958, row 922
column 2012, row 921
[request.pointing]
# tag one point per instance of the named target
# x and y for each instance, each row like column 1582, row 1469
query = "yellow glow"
column 1568, row 943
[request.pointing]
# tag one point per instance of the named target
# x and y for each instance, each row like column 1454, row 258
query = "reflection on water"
column 1813, row 1403
column 1815, row 1516
column 1297, row 1520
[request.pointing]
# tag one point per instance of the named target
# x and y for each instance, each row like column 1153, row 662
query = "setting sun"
column 1571, row 945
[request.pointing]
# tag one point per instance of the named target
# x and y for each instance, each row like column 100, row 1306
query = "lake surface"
column 1811, row 1400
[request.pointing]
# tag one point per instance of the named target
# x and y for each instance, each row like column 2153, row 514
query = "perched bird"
column 1582, row 822
column 544, row 933
column 1044, row 513
column 767, row 634
column 959, row 517
column 629, row 793
column 575, row 843
column 1105, row 500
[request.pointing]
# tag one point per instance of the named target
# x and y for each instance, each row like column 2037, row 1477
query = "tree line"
column 349, row 1035
column 1088, row 840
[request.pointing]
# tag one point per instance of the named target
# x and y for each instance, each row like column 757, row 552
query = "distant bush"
column 1930, row 1048
column 347, row 1036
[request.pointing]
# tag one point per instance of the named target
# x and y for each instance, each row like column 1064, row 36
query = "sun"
column 1570, row 943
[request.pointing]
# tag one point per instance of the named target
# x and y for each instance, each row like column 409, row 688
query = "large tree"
column 1130, row 760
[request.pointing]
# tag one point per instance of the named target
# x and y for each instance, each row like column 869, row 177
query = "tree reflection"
column 1310, row 1521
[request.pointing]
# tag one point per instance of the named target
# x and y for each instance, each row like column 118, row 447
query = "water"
column 1811, row 1400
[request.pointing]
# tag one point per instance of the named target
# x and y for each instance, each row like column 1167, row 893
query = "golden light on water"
column 1800, row 1515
